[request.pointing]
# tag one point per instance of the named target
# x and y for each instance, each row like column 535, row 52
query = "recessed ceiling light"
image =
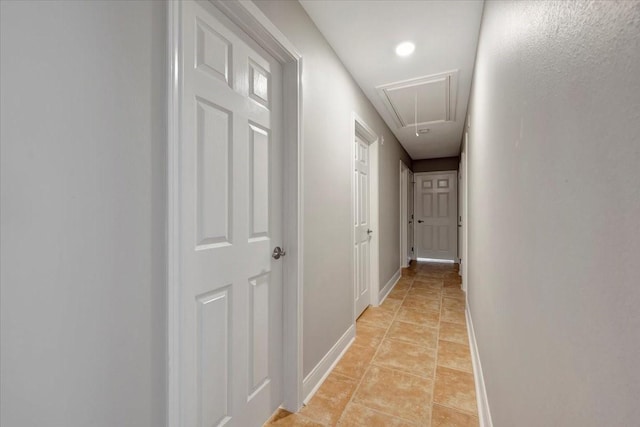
column 405, row 49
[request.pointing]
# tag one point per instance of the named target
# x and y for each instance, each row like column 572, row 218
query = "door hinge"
column 411, row 248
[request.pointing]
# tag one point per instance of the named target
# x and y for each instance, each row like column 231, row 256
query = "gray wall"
column 436, row 165
column 82, row 208
column 554, row 157
column 330, row 96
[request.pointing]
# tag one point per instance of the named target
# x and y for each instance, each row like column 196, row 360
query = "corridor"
column 207, row 208
column 410, row 364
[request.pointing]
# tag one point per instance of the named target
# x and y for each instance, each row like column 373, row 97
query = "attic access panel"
column 436, row 99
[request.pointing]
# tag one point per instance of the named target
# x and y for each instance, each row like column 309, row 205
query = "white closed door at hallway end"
column 362, row 224
column 435, row 208
column 230, row 221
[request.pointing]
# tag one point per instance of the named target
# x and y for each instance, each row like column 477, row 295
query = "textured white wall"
column 554, row 157
column 330, row 95
column 82, row 213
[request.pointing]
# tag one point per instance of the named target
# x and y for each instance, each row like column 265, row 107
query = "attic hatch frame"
column 450, row 97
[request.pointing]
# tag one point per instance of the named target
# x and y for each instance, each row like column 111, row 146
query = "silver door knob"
column 420, row 221
column 278, row 252
column 369, row 231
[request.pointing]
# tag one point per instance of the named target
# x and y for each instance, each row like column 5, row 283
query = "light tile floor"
column 410, row 364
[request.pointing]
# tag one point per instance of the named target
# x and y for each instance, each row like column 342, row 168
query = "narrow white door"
column 362, row 248
column 410, row 196
column 230, row 222
column 435, row 215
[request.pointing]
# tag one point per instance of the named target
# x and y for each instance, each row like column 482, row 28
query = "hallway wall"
column 436, row 165
column 554, row 159
column 83, row 201
column 330, row 95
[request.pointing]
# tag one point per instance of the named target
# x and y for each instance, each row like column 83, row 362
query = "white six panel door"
column 362, row 225
column 230, row 221
column 436, row 215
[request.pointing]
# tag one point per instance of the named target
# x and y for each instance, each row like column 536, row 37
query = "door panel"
column 427, row 236
column 427, row 204
column 435, row 215
column 362, row 225
column 230, row 221
column 213, row 374
column 443, row 205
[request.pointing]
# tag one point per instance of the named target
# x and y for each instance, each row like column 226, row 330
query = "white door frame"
column 359, row 127
column 254, row 23
column 404, row 208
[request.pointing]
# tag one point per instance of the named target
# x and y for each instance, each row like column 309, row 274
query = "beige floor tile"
column 360, row 416
column 453, row 316
column 395, row 393
column 422, row 294
column 368, row 334
column 434, row 284
column 452, row 275
column 415, row 334
column 377, row 317
column 429, row 293
column 327, row 404
column 454, row 332
column 430, row 268
column 425, row 318
column 355, row 361
column 406, row 357
column 284, row 418
column 455, row 356
column 403, row 284
column 453, row 303
column 398, row 293
column 417, row 302
column 446, row 417
column 430, row 274
column 391, row 304
column 454, row 293
column 455, row 389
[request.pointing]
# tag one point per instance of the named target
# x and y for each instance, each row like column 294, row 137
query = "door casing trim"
column 246, row 15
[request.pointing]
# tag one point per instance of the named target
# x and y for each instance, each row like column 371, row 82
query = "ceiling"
column 364, row 35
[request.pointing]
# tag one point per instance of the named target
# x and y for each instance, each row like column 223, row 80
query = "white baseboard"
column 481, row 392
column 316, row 377
column 389, row 286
